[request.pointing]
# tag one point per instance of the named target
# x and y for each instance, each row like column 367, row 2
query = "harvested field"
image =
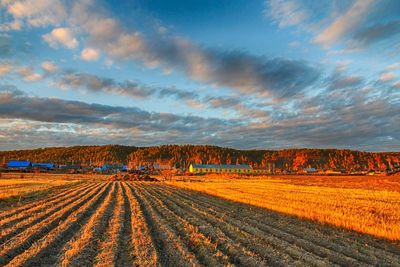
column 154, row 224
column 16, row 187
column 365, row 204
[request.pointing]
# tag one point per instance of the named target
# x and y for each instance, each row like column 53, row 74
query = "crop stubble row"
column 148, row 224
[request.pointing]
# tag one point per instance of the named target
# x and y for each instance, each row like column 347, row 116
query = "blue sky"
column 244, row 74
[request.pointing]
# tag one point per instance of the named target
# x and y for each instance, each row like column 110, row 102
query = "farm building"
column 19, row 165
column 44, row 166
column 244, row 169
column 111, row 168
column 210, row 168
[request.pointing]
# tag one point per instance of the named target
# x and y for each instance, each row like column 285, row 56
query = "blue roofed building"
column 19, row 164
column 44, row 166
column 111, row 168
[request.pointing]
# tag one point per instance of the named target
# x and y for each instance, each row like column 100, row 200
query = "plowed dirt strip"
column 233, row 240
column 342, row 250
column 10, row 211
column 83, row 248
column 143, row 251
column 171, row 250
column 265, row 246
column 223, row 242
column 20, row 235
column 201, row 246
column 110, row 242
column 261, row 241
column 32, row 217
column 40, row 244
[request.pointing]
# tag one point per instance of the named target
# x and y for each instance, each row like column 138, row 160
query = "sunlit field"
column 365, row 204
column 84, row 220
column 16, row 187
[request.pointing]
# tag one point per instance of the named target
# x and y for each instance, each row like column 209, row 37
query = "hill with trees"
column 183, row 155
column 85, row 155
column 289, row 159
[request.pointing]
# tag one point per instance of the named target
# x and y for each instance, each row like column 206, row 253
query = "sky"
column 260, row 74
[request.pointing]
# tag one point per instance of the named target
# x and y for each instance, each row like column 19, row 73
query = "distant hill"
column 96, row 155
column 183, row 155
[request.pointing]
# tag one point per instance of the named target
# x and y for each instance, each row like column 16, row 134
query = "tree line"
column 182, row 155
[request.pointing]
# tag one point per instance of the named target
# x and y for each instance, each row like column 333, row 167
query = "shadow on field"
column 238, row 230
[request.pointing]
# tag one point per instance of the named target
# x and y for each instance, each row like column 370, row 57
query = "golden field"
column 366, row 204
column 89, row 221
column 22, row 187
column 19, row 187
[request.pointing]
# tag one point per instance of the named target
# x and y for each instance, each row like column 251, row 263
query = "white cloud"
column 127, row 45
column 286, row 12
column 393, row 67
column 37, row 13
column 387, row 76
column 62, row 36
column 29, row 75
column 90, row 54
column 345, row 23
column 14, row 25
column 87, row 16
column 49, row 67
column 5, row 68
